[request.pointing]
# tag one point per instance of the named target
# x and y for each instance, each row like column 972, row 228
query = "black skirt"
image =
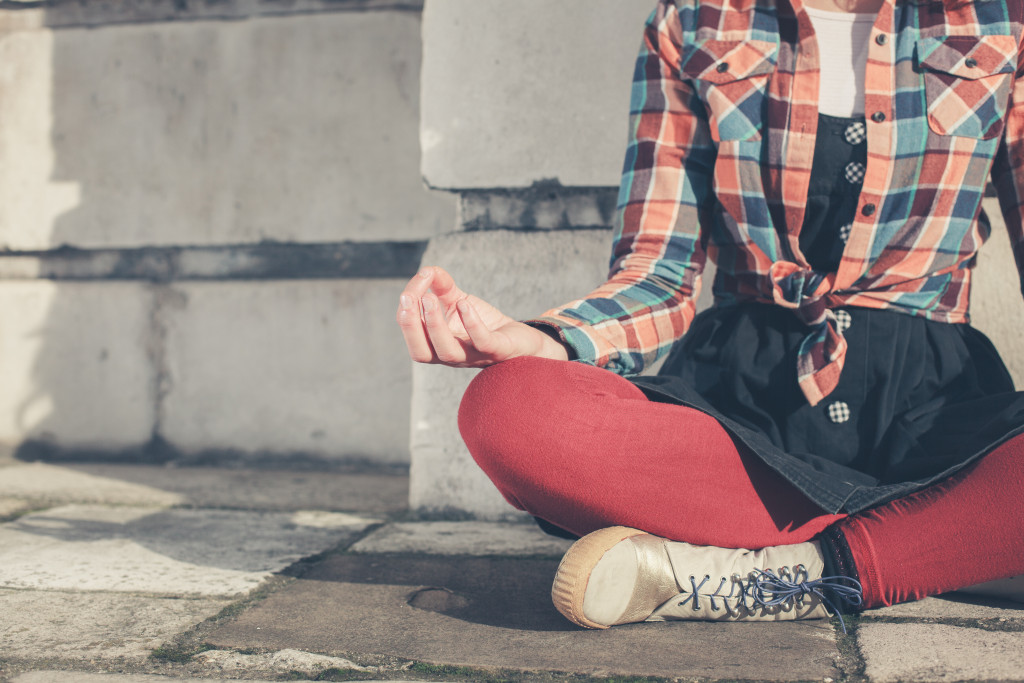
column 917, row 399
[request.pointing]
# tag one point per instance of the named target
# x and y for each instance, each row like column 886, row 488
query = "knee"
column 499, row 400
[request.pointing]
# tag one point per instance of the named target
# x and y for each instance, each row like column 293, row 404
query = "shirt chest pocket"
column 967, row 82
column 731, row 78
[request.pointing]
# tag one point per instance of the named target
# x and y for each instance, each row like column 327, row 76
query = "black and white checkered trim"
column 839, row 412
column 843, row 321
column 854, row 172
column 856, row 133
column 844, row 232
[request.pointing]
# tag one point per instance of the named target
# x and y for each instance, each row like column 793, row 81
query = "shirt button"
column 843, row 321
column 868, row 209
column 722, row 67
column 881, row 39
column 878, row 116
column 854, row 172
column 856, row 133
column 844, row 232
column 970, row 62
column 839, row 412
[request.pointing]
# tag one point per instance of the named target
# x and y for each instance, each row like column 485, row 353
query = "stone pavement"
column 141, row 574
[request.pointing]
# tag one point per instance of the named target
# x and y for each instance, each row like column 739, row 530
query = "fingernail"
column 405, row 301
column 463, row 306
column 424, row 272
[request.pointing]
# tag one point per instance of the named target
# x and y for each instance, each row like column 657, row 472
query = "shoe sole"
column 570, row 584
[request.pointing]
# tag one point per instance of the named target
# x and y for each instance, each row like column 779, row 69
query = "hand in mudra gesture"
column 444, row 325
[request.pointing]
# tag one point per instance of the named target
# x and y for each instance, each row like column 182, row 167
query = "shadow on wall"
column 268, row 130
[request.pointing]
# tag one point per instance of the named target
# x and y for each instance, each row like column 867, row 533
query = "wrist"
column 551, row 344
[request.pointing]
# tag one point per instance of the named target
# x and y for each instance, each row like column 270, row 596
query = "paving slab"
column 937, row 652
column 152, row 550
column 261, row 489
column 462, row 538
column 82, row 677
column 41, row 625
column 286, row 661
column 56, row 484
column 497, row 612
column 953, row 606
column 9, row 507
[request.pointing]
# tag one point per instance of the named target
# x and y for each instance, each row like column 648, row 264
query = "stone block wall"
column 207, row 211
column 524, row 115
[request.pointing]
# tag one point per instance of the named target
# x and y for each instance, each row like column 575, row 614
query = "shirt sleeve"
column 658, row 252
column 1008, row 169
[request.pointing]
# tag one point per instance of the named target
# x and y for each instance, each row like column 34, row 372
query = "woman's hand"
column 442, row 324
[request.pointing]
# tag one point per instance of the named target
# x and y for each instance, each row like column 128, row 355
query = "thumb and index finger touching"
column 437, row 280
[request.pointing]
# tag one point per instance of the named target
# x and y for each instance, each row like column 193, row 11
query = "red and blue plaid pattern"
column 723, row 124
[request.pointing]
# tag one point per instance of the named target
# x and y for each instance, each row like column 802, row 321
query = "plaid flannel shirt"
column 723, row 121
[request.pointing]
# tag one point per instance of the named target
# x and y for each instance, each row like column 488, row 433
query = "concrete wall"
column 530, row 133
column 543, row 97
column 207, row 211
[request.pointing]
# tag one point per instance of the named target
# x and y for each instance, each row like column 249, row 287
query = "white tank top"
column 843, row 44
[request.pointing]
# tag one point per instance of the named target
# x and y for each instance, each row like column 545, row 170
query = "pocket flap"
column 721, row 61
column 968, row 57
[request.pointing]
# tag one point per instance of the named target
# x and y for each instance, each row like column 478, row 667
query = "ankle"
column 839, row 562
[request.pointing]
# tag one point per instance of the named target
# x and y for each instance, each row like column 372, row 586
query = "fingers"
column 447, row 348
column 410, row 316
column 411, row 323
column 420, row 283
column 444, row 286
column 484, row 341
column 421, row 317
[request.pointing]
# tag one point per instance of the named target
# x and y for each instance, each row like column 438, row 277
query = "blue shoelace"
column 768, row 589
column 846, row 590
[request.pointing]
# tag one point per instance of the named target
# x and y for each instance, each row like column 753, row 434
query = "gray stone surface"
column 10, row 507
column 538, row 208
column 65, row 13
column 489, row 612
column 308, row 366
column 936, row 652
column 524, row 274
column 287, row 661
column 93, row 627
column 49, row 484
column 259, row 489
column 529, row 104
column 82, row 677
column 995, row 298
column 75, row 362
column 104, row 366
column 290, row 128
column 461, row 538
column 953, row 606
column 150, row 550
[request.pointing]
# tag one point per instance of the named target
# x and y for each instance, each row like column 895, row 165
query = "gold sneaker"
column 620, row 575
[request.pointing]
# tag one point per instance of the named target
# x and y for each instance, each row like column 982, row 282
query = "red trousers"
column 583, row 448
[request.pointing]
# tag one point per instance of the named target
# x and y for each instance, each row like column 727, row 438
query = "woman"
column 832, row 434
